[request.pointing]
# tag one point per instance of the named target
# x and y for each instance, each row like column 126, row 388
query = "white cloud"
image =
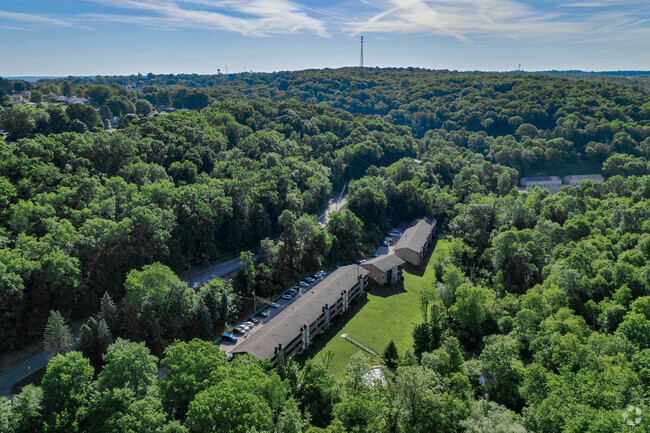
column 468, row 20
column 34, row 19
column 248, row 17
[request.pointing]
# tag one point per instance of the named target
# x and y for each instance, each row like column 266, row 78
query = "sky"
column 123, row 37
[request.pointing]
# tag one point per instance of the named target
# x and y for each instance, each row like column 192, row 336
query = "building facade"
column 552, row 183
column 385, row 269
column 295, row 328
column 415, row 241
column 576, row 179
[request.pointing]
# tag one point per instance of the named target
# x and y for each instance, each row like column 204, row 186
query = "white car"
column 303, row 284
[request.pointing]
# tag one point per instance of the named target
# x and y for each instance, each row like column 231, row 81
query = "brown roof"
column 415, row 237
column 384, row 263
column 284, row 327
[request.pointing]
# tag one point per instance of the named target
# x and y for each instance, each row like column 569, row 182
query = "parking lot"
column 272, row 312
column 386, row 248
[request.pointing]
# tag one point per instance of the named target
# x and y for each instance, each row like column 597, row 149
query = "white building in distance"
column 552, row 183
column 576, row 179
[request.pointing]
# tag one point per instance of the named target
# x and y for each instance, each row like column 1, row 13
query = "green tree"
column 143, row 107
column 224, row 409
column 57, row 337
column 391, row 355
column 189, row 366
column 27, row 409
column 36, row 97
column 85, row 114
column 128, row 365
column 67, row 385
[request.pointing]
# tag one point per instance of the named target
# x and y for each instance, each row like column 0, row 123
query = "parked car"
column 274, row 305
column 229, row 338
column 229, row 358
column 287, row 296
column 293, row 291
column 264, row 314
column 254, row 320
column 315, row 276
column 250, row 323
column 241, row 329
column 321, row 273
column 309, row 279
column 303, row 284
column 245, row 326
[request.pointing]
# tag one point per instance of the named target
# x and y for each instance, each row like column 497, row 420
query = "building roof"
column 385, row 263
column 541, row 179
column 581, row 177
column 414, row 238
column 284, row 327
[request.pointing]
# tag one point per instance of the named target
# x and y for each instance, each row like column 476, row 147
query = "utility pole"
column 189, row 268
column 254, row 301
column 361, row 58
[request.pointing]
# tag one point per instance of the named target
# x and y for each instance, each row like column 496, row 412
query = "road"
column 334, row 204
column 9, row 377
column 26, row 368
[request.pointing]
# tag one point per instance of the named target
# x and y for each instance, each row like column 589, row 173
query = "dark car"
column 264, row 314
column 230, row 338
column 255, row 321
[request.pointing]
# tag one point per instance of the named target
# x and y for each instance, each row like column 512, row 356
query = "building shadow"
column 377, row 289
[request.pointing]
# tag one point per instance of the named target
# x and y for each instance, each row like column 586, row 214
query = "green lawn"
column 387, row 313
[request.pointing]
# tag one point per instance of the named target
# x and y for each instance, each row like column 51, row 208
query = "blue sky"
column 108, row 37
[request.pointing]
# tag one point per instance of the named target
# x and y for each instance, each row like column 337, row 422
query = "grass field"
column 386, row 313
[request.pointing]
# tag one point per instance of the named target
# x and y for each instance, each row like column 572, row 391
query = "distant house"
column 552, row 183
column 295, row 327
column 415, row 241
column 16, row 98
column 576, row 179
column 385, row 269
column 77, row 101
column 61, row 98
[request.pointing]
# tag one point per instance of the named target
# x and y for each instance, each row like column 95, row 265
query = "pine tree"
column 108, row 312
column 211, row 305
column 88, row 341
column 57, row 336
column 224, row 306
column 131, row 328
column 391, row 355
column 205, row 320
column 104, row 338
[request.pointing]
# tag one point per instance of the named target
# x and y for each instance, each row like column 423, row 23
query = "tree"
column 85, row 114
column 143, row 107
column 6, row 417
column 22, row 121
column 128, row 365
column 490, row 417
column 98, row 93
column 345, row 229
column 471, row 310
column 317, row 393
column 37, row 97
column 27, row 409
column 391, row 355
column 120, row 105
column 189, row 366
column 67, row 385
column 108, row 312
column 355, row 373
column 224, row 409
column 290, row 419
column 57, row 337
